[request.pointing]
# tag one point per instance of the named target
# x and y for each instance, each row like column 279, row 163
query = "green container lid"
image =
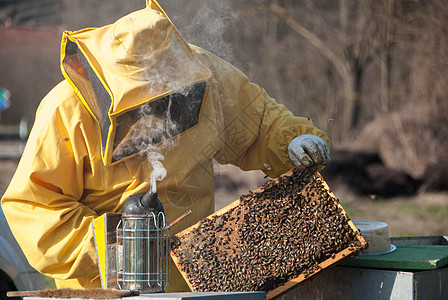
column 405, row 257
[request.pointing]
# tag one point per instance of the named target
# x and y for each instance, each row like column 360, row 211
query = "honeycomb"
column 268, row 240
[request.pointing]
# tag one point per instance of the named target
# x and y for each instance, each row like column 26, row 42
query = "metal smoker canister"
column 143, row 261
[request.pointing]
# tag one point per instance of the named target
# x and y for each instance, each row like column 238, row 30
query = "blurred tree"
column 342, row 63
column 350, row 34
column 29, row 12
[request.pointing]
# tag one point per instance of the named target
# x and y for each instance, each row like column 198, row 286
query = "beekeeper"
column 136, row 87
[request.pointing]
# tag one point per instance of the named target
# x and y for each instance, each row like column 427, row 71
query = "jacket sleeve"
column 257, row 130
column 42, row 203
column 268, row 149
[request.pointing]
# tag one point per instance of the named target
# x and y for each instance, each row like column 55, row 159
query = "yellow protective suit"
column 77, row 164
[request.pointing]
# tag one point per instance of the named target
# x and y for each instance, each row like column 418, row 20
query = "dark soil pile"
column 397, row 154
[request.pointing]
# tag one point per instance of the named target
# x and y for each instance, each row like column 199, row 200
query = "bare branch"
column 341, row 66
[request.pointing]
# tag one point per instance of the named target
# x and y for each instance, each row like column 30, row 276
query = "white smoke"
column 156, row 135
column 204, row 23
column 153, row 135
column 170, row 70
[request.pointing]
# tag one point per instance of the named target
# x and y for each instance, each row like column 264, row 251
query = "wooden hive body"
column 269, row 240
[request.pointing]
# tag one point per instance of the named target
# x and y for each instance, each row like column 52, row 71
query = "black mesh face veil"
column 97, row 98
column 175, row 113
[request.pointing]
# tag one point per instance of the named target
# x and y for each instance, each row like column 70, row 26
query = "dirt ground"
column 421, row 215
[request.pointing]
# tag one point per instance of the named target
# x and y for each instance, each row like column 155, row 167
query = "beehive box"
column 269, row 240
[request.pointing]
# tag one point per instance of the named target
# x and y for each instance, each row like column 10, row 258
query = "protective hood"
column 139, row 59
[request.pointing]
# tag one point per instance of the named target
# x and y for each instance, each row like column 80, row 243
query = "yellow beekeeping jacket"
column 76, row 165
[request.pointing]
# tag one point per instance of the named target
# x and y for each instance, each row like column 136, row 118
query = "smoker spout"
column 149, row 200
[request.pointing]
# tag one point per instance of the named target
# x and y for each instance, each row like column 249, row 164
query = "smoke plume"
column 156, row 135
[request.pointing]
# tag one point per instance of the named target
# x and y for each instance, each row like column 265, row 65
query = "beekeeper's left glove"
column 309, row 150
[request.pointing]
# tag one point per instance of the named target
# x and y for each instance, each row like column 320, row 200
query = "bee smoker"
column 143, row 245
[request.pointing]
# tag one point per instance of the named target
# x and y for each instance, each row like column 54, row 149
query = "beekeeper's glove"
column 309, row 150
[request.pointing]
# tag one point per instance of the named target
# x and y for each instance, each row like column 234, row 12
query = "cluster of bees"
column 269, row 238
